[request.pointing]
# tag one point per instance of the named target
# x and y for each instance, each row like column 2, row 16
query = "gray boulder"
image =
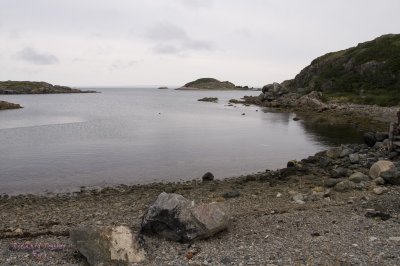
column 380, row 167
column 354, row 158
column 392, row 176
column 369, row 139
column 208, row 176
column 173, row 217
column 107, row 245
column 344, row 186
column 358, row 177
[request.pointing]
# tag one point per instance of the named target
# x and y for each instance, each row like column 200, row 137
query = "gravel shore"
column 270, row 226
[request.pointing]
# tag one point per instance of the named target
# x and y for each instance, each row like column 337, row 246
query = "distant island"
column 30, row 87
column 6, row 105
column 163, row 88
column 212, row 84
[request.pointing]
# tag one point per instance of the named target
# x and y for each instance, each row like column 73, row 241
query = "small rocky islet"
column 337, row 207
column 212, row 84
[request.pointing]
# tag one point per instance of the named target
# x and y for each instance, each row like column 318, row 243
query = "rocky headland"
column 6, row 105
column 29, row 87
column 359, row 85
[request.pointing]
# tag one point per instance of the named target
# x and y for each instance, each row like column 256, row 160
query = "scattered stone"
column 279, row 195
column 331, row 182
column 298, row 197
column 292, row 163
column 208, row 177
column 345, row 152
column 344, row 186
column 394, row 238
column 173, row 217
column 392, row 176
column 107, row 245
column 340, row 172
column 380, row 167
column 315, row 234
column 381, row 136
column 354, row 158
column 380, row 190
column 369, row 139
column 377, row 214
column 379, row 181
column 334, row 153
column 358, row 177
column 231, row 194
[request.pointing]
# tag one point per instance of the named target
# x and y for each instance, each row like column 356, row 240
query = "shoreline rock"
column 7, row 105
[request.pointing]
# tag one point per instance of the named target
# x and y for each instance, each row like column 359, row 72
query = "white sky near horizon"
column 171, row 42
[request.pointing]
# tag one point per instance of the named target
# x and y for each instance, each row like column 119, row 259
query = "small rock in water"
column 296, row 119
column 208, row 177
column 369, row 139
column 243, row 113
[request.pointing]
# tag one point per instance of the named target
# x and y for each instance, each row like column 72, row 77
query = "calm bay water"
column 126, row 136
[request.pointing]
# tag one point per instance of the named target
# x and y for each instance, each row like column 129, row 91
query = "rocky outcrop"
column 28, row 87
column 209, row 99
column 108, row 245
column 366, row 73
column 209, row 84
column 6, row 105
column 174, row 217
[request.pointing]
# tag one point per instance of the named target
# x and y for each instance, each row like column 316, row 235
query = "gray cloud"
column 166, row 32
column 172, row 39
column 166, row 49
column 122, row 64
column 39, row 58
column 197, row 3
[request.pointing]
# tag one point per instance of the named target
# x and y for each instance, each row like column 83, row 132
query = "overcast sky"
column 171, row 42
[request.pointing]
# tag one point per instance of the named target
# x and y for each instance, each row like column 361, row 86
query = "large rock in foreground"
column 174, row 217
column 107, row 245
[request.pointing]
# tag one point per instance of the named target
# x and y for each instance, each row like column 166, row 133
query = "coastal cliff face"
column 28, row 87
column 209, row 84
column 368, row 73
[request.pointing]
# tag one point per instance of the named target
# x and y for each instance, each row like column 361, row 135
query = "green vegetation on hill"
column 368, row 73
column 29, row 87
column 209, row 84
